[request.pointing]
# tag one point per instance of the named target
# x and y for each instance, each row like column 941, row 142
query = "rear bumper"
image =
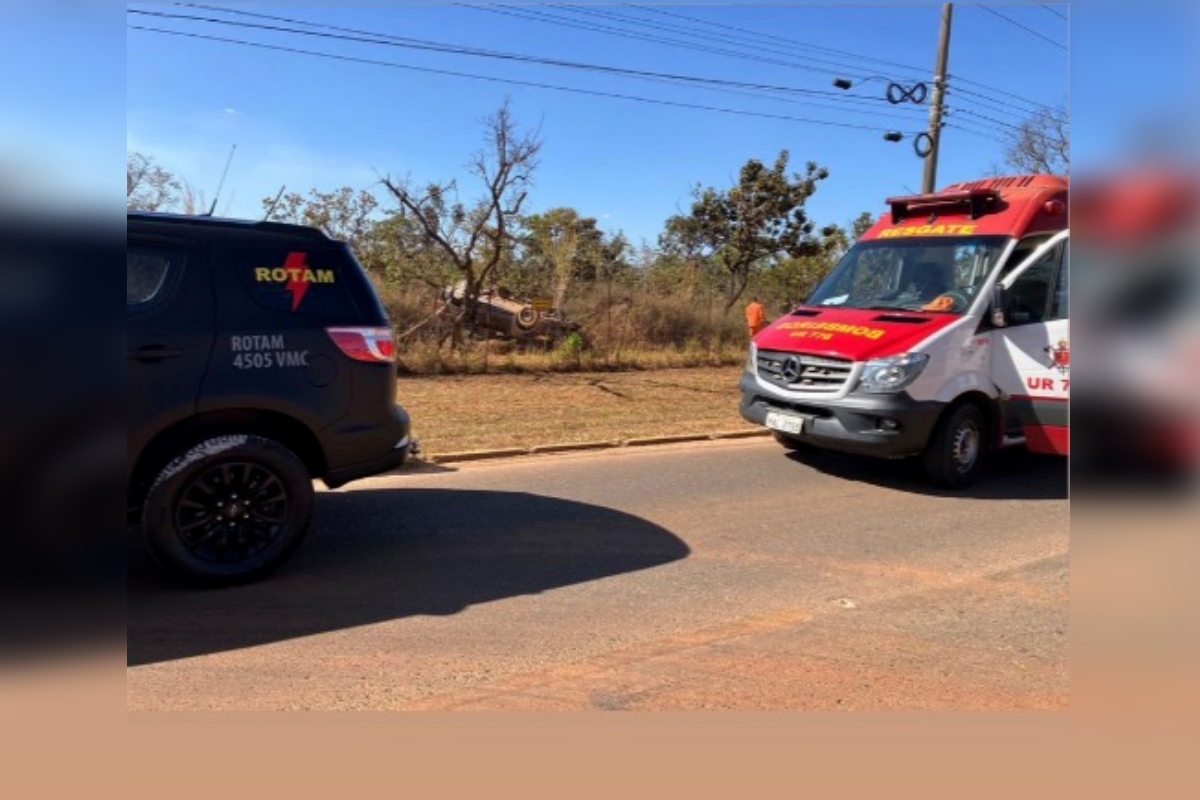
column 393, row 460
column 381, row 449
column 851, row 424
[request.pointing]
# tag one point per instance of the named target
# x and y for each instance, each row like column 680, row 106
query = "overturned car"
column 498, row 314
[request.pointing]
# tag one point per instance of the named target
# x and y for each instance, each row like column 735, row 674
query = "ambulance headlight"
column 891, row 374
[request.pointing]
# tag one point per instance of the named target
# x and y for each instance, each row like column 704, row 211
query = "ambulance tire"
column 789, row 442
column 954, row 457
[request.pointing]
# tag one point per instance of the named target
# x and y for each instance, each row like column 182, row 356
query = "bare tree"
column 1042, row 144
column 192, row 200
column 476, row 238
column 149, row 187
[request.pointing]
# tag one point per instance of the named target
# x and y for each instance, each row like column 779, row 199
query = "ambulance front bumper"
column 883, row 425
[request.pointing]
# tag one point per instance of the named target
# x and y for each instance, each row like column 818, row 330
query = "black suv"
column 259, row 358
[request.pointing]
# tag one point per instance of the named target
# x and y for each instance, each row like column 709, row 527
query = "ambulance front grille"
column 801, row 372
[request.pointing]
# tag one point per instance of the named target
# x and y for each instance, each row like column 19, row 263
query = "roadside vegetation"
column 676, row 302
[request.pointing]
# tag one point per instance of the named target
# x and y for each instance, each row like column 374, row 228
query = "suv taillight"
column 365, row 344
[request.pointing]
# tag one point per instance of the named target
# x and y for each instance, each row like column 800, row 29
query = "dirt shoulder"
column 477, row 412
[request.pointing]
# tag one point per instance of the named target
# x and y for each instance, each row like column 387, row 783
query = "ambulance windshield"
column 942, row 274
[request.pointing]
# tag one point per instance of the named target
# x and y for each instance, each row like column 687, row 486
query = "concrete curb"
column 741, row 434
column 571, row 447
column 477, row 455
column 647, row 440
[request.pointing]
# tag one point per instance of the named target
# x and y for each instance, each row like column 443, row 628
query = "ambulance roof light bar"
column 977, row 200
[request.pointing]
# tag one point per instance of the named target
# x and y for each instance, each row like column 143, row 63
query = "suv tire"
column 229, row 510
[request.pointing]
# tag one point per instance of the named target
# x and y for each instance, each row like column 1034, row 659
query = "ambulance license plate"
column 784, row 423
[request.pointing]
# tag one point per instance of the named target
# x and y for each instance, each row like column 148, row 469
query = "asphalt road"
column 722, row 575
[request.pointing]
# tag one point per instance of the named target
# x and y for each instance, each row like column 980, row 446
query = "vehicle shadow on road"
column 379, row 555
column 1009, row 475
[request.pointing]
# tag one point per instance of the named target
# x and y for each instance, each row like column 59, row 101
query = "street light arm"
column 846, row 83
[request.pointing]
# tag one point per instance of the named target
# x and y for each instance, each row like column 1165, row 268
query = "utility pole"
column 939, row 95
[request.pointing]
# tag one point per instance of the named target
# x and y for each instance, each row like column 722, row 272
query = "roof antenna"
column 274, row 203
column 212, row 209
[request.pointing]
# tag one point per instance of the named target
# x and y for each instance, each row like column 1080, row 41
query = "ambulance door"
column 1031, row 355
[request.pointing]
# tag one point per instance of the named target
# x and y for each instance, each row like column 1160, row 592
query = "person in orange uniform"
column 756, row 316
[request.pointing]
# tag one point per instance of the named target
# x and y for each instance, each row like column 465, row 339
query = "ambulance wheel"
column 955, row 454
column 790, row 442
column 229, row 510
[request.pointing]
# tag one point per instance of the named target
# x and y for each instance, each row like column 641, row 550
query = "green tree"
column 344, row 214
column 561, row 247
column 862, row 223
column 760, row 219
column 402, row 254
column 687, row 252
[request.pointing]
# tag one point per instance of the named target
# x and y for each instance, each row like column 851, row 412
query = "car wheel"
column 229, row 510
column 526, row 318
column 955, row 454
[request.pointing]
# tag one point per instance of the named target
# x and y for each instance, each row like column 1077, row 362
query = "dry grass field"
column 454, row 413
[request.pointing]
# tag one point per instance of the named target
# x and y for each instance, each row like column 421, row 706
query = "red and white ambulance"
column 942, row 333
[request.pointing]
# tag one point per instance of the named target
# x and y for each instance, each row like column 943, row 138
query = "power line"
column 993, row 105
column 784, row 39
column 1025, row 28
column 845, row 53
column 594, row 27
column 1058, row 14
column 975, row 132
column 1029, row 106
column 768, row 92
column 374, row 38
column 370, row 37
column 513, row 81
column 543, row 17
column 980, row 97
column 986, row 118
column 726, row 39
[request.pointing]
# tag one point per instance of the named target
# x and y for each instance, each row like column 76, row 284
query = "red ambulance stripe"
column 1048, row 439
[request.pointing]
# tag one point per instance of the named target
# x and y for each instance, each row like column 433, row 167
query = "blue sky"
column 308, row 122
column 62, row 118
column 1132, row 71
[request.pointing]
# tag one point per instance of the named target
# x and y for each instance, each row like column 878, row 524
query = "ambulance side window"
column 1033, row 294
column 1022, row 251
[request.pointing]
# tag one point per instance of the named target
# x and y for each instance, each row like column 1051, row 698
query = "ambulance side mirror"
column 1000, row 300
